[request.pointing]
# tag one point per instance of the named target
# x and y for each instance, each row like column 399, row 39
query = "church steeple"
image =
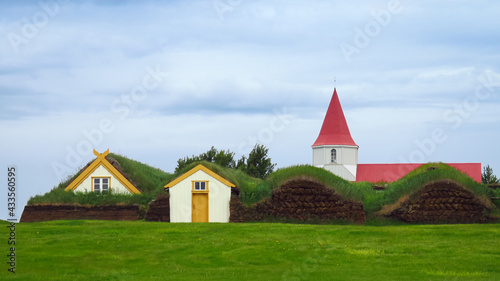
column 334, row 149
column 334, row 130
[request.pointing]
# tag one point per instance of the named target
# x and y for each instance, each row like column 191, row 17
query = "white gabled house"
column 200, row 195
column 102, row 176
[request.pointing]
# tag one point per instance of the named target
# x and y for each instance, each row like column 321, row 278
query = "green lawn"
column 109, row 250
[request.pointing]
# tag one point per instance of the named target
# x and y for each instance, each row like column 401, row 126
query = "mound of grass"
column 151, row 180
column 253, row 190
column 61, row 196
column 416, row 179
column 148, row 180
column 276, row 179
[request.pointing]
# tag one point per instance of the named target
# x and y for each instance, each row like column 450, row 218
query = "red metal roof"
column 334, row 130
column 393, row 172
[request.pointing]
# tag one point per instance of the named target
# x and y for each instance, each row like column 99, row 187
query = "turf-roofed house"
column 199, row 195
column 110, row 187
column 336, row 151
column 102, row 176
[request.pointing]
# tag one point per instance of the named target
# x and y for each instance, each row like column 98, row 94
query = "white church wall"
column 345, row 155
column 346, row 164
column 341, row 171
column 349, row 155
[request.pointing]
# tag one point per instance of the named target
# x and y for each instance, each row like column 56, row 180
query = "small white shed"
column 200, row 195
column 101, row 176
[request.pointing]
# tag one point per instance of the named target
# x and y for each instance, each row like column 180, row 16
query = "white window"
column 101, row 185
column 334, row 155
column 200, row 186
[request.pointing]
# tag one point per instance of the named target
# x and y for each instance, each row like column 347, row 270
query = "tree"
column 242, row 164
column 488, row 177
column 222, row 158
column 258, row 163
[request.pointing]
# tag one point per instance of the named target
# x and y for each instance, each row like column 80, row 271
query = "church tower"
column 334, row 149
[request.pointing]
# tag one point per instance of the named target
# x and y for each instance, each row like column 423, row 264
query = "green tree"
column 488, row 177
column 258, row 164
column 225, row 158
column 222, row 158
column 242, row 164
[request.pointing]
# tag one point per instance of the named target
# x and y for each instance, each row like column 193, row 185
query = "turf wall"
column 47, row 212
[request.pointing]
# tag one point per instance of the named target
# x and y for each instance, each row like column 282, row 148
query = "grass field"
column 110, row 250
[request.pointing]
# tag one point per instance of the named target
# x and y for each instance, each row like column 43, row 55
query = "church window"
column 334, row 155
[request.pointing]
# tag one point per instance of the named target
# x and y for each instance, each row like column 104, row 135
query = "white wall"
column 219, row 196
column 345, row 155
column 115, row 185
column 347, row 172
column 347, row 160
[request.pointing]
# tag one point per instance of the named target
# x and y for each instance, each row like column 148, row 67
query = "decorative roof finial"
column 334, row 82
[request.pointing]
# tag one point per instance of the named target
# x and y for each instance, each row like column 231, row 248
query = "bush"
column 58, row 195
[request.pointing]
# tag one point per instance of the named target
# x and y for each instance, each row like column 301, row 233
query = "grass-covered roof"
column 149, row 180
column 416, row 179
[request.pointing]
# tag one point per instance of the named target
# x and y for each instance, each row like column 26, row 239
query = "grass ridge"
column 151, row 180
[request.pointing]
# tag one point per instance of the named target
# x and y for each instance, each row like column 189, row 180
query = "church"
column 336, row 151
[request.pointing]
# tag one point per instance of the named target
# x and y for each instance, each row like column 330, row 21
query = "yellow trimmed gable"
column 101, row 160
column 196, row 169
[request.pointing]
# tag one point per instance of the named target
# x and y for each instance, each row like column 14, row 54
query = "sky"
column 155, row 81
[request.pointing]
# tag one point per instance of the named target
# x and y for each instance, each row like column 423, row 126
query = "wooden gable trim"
column 196, row 169
column 101, row 160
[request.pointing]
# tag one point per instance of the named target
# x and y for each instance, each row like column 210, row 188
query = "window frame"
column 100, row 184
column 333, row 155
column 193, row 186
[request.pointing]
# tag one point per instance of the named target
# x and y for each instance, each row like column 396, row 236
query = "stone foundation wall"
column 48, row 212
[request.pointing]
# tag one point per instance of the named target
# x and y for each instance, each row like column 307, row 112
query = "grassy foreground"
column 110, row 250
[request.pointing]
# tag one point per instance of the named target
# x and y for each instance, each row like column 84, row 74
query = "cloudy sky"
column 419, row 81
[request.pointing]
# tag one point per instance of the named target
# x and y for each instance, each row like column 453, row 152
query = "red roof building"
column 336, row 151
column 334, row 130
column 393, row 172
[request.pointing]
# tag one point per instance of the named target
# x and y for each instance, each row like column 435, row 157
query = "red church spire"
column 334, row 130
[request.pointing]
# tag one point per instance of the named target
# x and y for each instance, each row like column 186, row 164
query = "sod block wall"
column 48, row 212
column 159, row 209
column 442, row 202
column 300, row 199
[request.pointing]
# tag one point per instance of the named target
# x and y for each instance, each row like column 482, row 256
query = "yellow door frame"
column 199, row 202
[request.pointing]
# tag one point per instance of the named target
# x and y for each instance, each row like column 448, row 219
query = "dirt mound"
column 48, row 212
column 300, row 199
column 159, row 209
column 440, row 202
